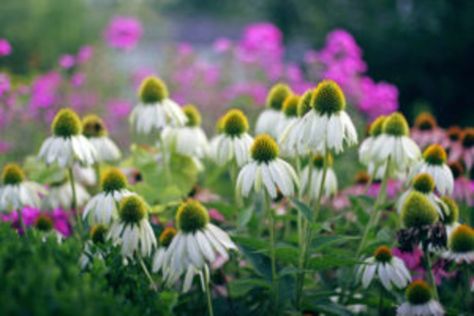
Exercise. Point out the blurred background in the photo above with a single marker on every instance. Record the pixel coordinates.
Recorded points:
(91, 55)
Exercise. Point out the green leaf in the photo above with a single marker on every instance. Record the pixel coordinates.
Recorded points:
(304, 209)
(362, 215)
(331, 261)
(321, 242)
(239, 288)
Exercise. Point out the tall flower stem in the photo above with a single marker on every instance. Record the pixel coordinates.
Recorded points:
(205, 272)
(429, 270)
(308, 234)
(22, 223)
(74, 199)
(373, 220)
(381, 297)
(271, 219)
(147, 273)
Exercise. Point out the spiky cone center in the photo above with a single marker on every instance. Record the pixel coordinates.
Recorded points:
(12, 174)
(362, 177)
(192, 216)
(113, 180)
(318, 161)
(290, 106)
(277, 95)
(396, 125)
(328, 98)
(66, 123)
(166, 236)
(98, 234)
(193, 115)
(435, 155)
(44, 223)
(383, 254)
(418, 292)
(454, 133)
(93, 126)
(451, 214)
(468, 138)
(132, 209)
(264, 148)
(461, 239)
(418, 211)
(305, 103)
(235, 123)
(425, 121)
(423, 183)
(376, 126)
(152, 90)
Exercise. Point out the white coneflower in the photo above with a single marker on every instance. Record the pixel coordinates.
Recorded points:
(195, 247)
(420, 301)
(102, 208)
(376, 170)
(93, 127)
(84, 175)
(213, 143)
(461, 245)
(434, 163)
(292, 138)
(266, 170)
(234, 142)
(45, 226)
(290, 113)
(424, 184)
(270, 118)
(450, 218)
(189, 140)
(132, 230)
(312, 175)
(67, 145)
(417, 211)
(390, 270)
(16, 192)
(60, 195)
(426, 130)
(155, 110)
(394, 146)
(98, 235)
(165, 239)
(327, 125)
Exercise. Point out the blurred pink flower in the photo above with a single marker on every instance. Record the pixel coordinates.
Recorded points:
(256, 90)
(4, 147)
(78, 79)
(44, 90)
(119, 108)
(216, 215)
(222, 45)
(67, 61)
(5, 47)
(4, 84)
(123, 32)
(85, 53)
(412, 259)
(184, 49)
(141, 73)
(377, 98)
(261, 40)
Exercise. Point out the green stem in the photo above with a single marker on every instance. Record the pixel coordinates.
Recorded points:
(208, 293)
(381, 300)
(271, 219)
(373, 220)
(429, 271)
(22, 223)
(74, 200)
(308, 232)
(147, 273)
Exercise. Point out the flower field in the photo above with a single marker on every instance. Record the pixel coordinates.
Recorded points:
(228, 179)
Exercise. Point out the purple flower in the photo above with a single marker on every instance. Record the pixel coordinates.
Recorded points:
(216, 215)
(67, 61)
(78, 79)
(377, 98)
(412, 259)
(119, 108)
(262, 43)
(5, 47)
(85, 53)
(44, 90)
(4, 84)
(222, 45)
(61, 222)
(123, 32)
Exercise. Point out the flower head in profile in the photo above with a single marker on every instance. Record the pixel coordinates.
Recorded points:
(102, 208)
(417, 211)
(265, 170)
(156, 110)
(16, 191)
(327, 125)
(164, 240)
(234, 142)
(434, 162)
(426, 131)
(290, 117)
(60, 194)
(390, 270)
(123, 32)
(269, 120)
(93, 127)
(463, 186)
(196, 245)
(312, 176)
(93, 248)
(67, 145)
(420, 301)
(132, 230)
(461, 245)
(376, 170)
(394, 148)
(5, 47)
